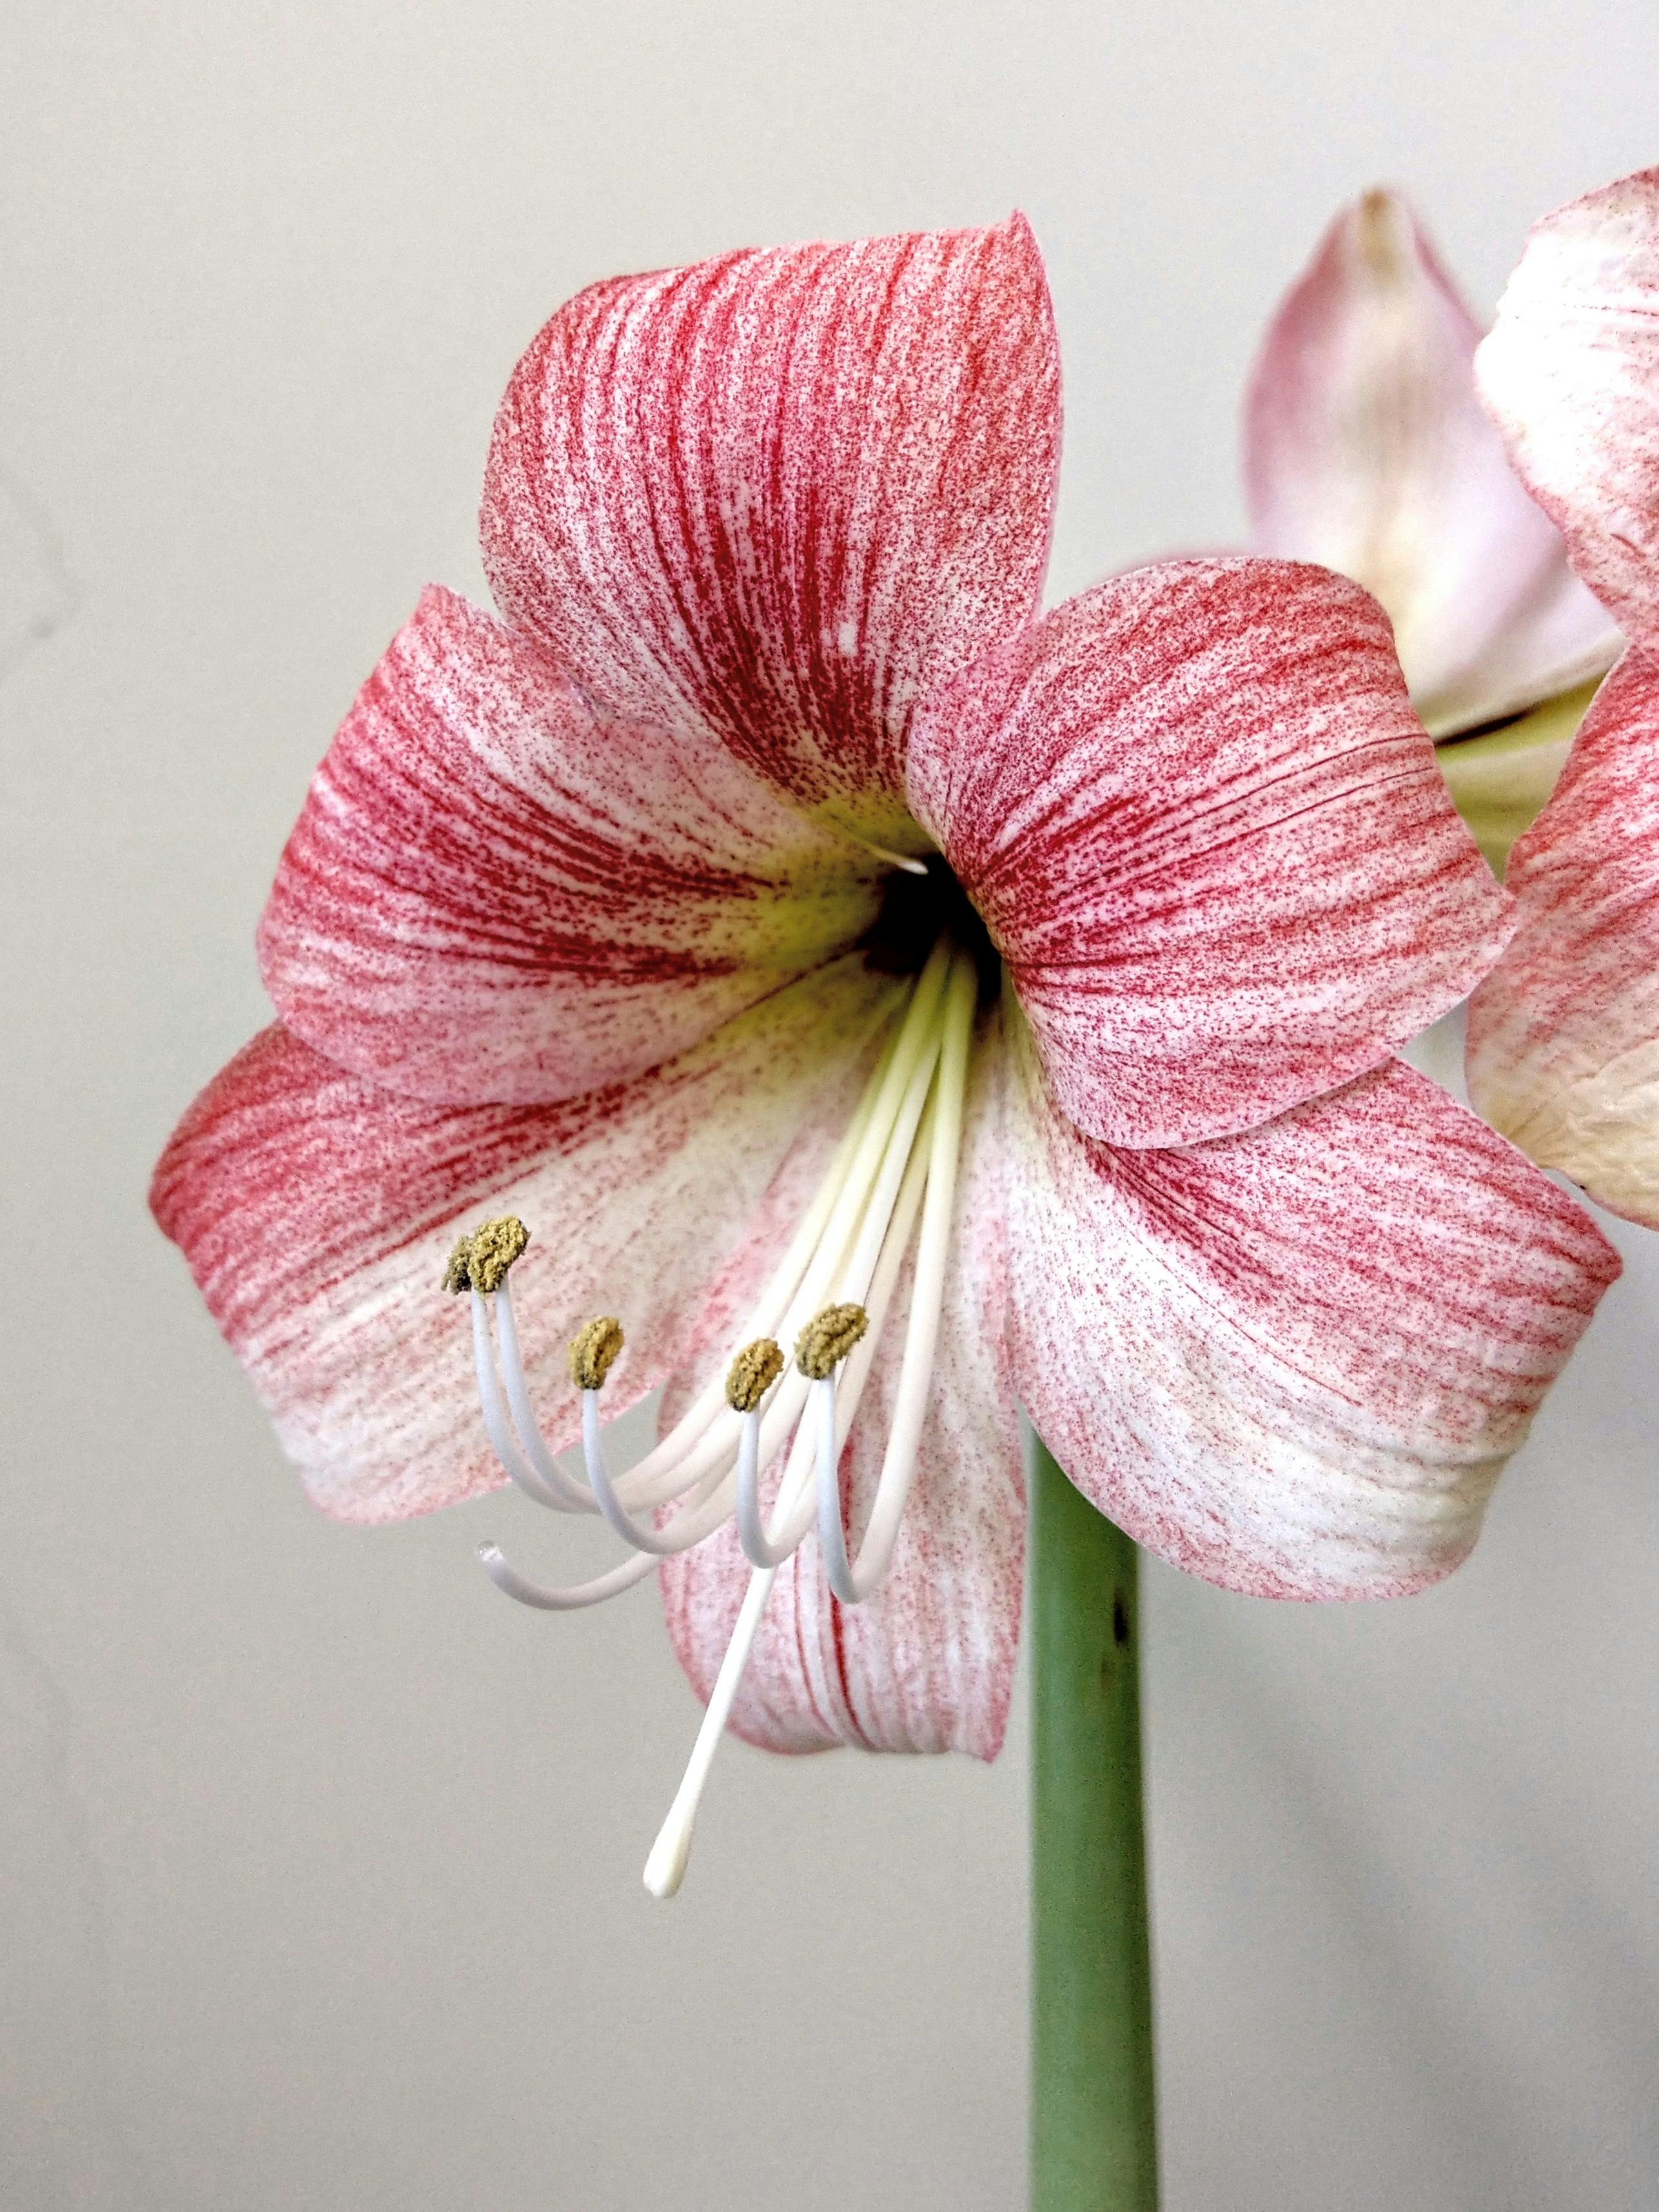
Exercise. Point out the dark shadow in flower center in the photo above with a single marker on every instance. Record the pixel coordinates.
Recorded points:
(916, 910)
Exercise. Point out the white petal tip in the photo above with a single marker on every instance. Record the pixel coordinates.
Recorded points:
(664, 1870)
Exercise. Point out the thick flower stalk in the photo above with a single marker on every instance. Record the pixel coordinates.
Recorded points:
(886, 1005)
(1366, 447)
(1563, 1037)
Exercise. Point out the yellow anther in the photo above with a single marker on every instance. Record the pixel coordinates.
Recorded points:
(593, 1350)
(493, 1251)
(458, 1269)
(828, 1338)
(752, 1373)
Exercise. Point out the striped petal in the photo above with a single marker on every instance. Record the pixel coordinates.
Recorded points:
(1571, 374)
(316, 1211)
(490, 898)
(1564, 1034)
(1366, 449)
(927, 1664)
(775, 495)
(1294, 1362)
(1210, 839)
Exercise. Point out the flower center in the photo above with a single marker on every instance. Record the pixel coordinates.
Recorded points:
(890, 1185)
(919, 908)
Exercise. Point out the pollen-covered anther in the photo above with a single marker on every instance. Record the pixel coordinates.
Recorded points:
(752, 1373)
(827, 1339)
(593, 1351)
(493, 1251)
(458, 1269)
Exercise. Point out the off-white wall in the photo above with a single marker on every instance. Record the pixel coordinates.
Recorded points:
(321, 1861)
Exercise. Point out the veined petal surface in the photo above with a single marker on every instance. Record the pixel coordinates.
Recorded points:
(1564, 1034)
(316, 1211)
(926, 1662)
(1366, 449)
(490, 898)
(1209, 837)
(1294, 1362)
(775, 496)
(1570, 374)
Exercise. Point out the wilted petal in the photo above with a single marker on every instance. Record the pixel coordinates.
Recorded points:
(927, 1664)
(1294, 1362)
(1366, 449)
(488, 897)
(1211, 840)
(1564, 1034)
(1570, 373)
(775, 495)
(316, 1211)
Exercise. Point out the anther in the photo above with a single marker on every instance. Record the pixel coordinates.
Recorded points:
(492, 1251)
(827, 1339)
(752, 1373)
(458, 1269)
(594, 1351)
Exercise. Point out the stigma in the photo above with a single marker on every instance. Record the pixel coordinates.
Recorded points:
(888, 1193)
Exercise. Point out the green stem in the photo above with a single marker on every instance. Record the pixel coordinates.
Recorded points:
(1093, 2140)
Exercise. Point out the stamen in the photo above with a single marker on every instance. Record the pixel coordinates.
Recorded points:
(660, 1545)
(594, 1351)
(566, 1496)
(851, 1585)
(496, 1428)
(828, 1338)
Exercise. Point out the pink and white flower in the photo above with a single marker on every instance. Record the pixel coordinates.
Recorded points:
(775, 909)
(1366, 448)
(1564, 1038)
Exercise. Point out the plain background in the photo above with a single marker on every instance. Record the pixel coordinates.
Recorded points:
(321, 1861)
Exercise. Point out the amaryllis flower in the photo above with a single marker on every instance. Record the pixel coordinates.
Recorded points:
(1564, 1038)
(1366, 448)
(885, 1005)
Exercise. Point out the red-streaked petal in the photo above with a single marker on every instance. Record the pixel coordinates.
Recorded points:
(1210, 839)
(926, 1662)
(316, 1211)
(777, 496)
(1294, 1362)
(1564, 1034)
(1570, 374)
(490, 898)
(1366, 449)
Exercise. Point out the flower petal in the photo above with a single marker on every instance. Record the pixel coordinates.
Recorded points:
(1366, 450)
(489, 898)
(926, 1662)
(1564, 1034)
(1209, 838)
(775, 495)
(316, 1212)
(1294, 1362)
(1571, 374)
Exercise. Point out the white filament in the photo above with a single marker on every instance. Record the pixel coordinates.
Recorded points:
(898, 1160)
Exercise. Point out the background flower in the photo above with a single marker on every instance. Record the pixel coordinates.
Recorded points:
(1366, 447)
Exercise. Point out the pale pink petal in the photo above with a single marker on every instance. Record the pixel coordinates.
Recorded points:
(488, 897)
(927, 1664)
(1294, 1362)
(1210, 839)
(1365, 449)
(777, 496)
(1564, 1034)
(317, 1210)
(1570, 373)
